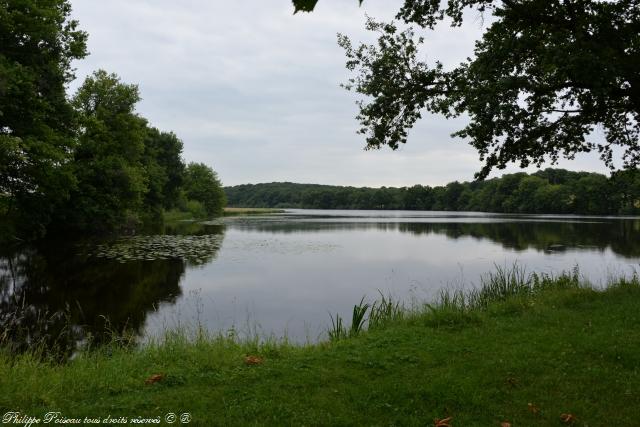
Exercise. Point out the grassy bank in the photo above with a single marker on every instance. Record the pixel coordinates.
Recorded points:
(250, 211)
(194, 213)
(523, 349)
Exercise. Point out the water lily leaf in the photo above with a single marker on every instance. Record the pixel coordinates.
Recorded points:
(195, 249)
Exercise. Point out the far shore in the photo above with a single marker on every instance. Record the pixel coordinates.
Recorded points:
(250, 211)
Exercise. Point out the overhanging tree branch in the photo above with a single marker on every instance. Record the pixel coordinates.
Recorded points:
(575, 58)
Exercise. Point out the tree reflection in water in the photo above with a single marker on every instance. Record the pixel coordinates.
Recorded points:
(54, 299)
(519, 233)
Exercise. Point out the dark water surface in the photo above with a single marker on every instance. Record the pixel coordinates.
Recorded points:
(283, 274)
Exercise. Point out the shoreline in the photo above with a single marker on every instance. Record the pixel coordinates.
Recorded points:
(481, 358)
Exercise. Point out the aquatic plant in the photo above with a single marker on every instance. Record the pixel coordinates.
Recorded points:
(195, 249)
(381, 312)
(384, 310)
(337, 330)
(358, 317)
(504, 283)
(454, 307)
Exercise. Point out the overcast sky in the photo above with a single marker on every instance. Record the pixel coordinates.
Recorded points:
(253, 90)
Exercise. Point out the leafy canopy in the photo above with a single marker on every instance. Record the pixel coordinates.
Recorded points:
(201, 184)
(543, 77)
(108, 160)
(38, 42)
(89, 163)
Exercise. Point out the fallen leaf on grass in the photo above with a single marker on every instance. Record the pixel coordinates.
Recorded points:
(533, 408)
(568, 418)
(443, 422)
(154, 379)
(253, 360)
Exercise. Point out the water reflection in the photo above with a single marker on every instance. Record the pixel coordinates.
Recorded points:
(60, 296)
(622, 236)
(284, 271)
(282, 274)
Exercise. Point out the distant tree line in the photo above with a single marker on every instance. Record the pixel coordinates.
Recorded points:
(88, 163)
(556, 191)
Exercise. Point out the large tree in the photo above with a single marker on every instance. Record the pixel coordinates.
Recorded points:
(108, 160)
(543, 77)
(38, 43)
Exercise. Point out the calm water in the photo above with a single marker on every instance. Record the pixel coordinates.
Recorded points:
(283, 274)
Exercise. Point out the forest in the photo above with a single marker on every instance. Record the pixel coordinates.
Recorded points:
(552, 191)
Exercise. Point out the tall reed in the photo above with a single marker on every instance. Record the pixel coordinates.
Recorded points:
(456, 306)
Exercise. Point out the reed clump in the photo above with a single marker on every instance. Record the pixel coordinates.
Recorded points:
(513, 286)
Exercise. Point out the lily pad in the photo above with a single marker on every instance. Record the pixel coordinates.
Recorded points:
(195, 249)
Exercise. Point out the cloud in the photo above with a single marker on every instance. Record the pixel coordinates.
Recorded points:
(254, 91)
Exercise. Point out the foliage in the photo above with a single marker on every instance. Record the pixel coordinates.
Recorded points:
(111, 180)
(165, 167)
(129, 172)
(304, 5)
(337, 331)
(201, 184)
(38, 42)
(385, 311)
(89, 164)
(543, 76)
(546, 191)
(307, 5)
(381, 313)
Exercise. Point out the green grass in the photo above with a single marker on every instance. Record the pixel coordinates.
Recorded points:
(192, 210)
(177, 215)
(480, 357)
(228, 211)
(195, 211)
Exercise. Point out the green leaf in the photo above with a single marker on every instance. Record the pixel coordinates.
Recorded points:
(304, 5)
(308, 5)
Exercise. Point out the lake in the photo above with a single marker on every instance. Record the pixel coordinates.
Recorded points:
(284, 274)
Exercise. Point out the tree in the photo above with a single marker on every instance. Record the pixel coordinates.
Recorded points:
(418, 198)
(523, 198)
(111, 179)
(553, 198)
(626, 186)
(451, 195)
(545, 74)
(38, 42)
(593, 194)
(164, 168)
(201, 184)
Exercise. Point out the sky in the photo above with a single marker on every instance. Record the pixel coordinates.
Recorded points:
(254, 91)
